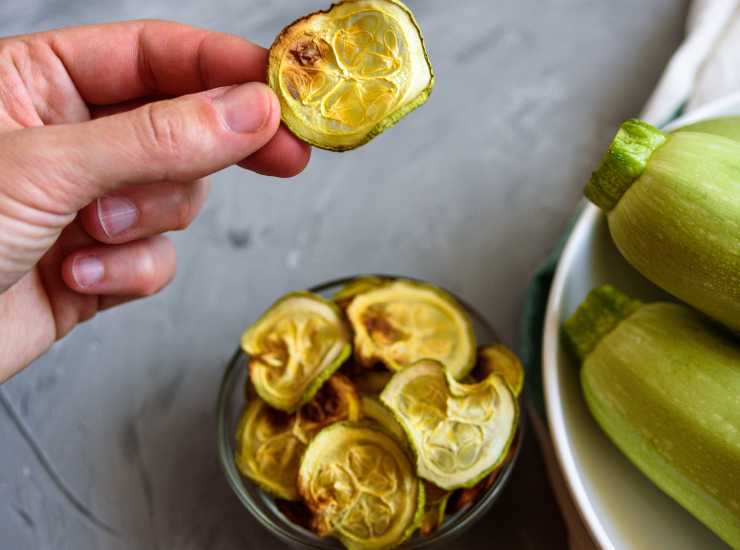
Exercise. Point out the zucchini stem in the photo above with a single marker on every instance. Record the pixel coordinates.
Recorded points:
(625, 161)
(602, 310)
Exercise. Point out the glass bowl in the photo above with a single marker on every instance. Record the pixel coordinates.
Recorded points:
(231, 401)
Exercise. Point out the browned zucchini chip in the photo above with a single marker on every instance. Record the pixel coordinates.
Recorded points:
(460, 433)
(501, 360)
(404, 321)
(361, 487)
(346, 74)
(294, 347)
(356, 286)
(270, 443)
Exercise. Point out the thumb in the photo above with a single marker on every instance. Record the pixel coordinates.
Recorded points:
(62, 168)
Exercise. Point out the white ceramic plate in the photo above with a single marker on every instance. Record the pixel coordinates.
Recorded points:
(621, 507)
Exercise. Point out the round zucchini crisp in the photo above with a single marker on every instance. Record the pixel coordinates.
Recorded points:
(294, 347)
(459, 432)
(346, 74)
(270, 443)
(361, 487)
(356, 286)
(501, 360)
(403, 322)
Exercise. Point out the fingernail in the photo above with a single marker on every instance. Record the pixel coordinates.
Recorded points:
(116, 215)
(87, 270)
(245, 109)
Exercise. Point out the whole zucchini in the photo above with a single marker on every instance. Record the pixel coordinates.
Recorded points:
(663, 382)
(727, 126)
(673, 205)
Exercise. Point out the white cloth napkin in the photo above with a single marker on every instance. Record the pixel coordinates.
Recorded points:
(706, 67)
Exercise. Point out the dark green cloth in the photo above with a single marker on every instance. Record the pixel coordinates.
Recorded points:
(533, 320)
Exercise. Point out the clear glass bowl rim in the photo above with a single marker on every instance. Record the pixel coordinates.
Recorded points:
(290, 533)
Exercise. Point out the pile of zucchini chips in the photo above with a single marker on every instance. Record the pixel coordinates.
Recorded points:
(374, 414)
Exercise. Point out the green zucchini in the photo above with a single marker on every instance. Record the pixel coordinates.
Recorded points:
(663, 382)
(673, 206)
(728, 126)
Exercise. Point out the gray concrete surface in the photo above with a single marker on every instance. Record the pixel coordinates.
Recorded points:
(108, 441)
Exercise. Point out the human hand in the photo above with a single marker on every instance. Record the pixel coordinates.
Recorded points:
(96, 162)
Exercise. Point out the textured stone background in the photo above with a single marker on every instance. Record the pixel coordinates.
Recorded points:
(115, 427)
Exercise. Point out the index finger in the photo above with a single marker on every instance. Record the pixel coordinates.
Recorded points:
(119, 62)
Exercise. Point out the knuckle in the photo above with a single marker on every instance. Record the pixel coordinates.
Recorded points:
(13, 49)
(163, 131)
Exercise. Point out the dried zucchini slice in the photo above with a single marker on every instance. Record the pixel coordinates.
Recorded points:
(294, 347)
(434, 508)
(344, 295)
(460, 432)
(361, 487)
(468, 497)
(501, 360)
(346, 74)
(374, 410)
(405, 321)
(267, 452)
(336, 400)
(270, 443)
